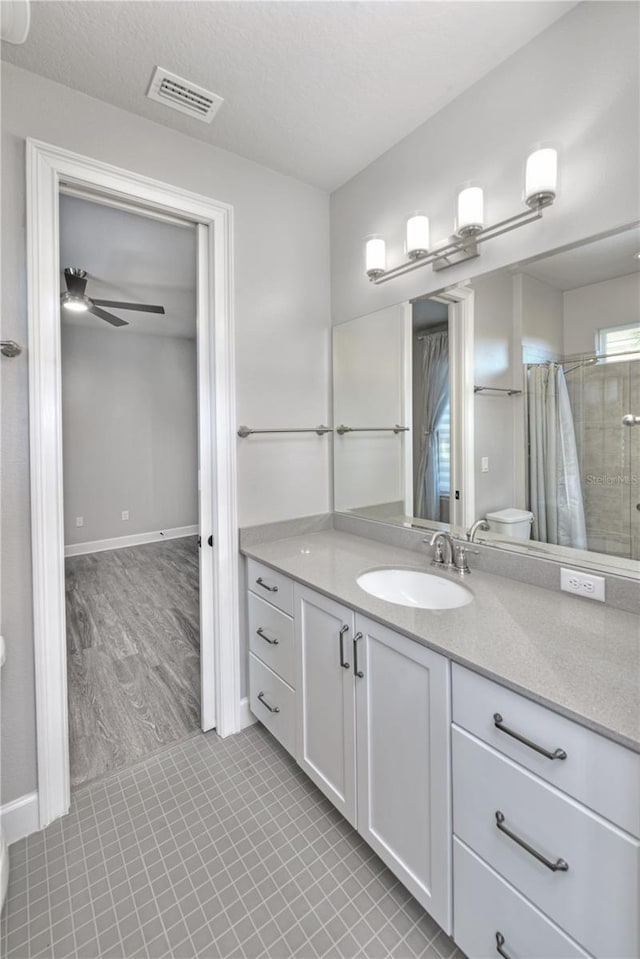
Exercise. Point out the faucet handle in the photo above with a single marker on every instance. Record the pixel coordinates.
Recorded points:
(460, 558)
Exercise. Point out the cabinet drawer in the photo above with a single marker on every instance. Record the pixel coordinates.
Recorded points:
(272, 702)
(271, 637)
(271, 585)
(596, 899)
(486, 907)
(600, 773)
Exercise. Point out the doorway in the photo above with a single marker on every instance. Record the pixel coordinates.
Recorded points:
(130, 474)
(49, 170)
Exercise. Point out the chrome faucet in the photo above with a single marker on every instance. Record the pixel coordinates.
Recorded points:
(443, 555)
(479, 524)
(449, 555)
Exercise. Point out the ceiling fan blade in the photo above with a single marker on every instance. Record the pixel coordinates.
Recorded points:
(109, 317)
(142, 307)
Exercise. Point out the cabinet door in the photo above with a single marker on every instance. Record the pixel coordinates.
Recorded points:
(404, 797)
(326, 702)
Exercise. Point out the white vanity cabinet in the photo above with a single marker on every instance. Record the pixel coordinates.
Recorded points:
(569, 866)
(373, 734)
(403, 761)
(432, 762)
(326, 713)
(271, 655)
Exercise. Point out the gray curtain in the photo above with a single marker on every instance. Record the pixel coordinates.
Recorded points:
(434, 396)
(554, 469)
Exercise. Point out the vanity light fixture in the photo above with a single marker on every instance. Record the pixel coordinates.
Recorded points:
(417, 236)
(540, 191)
(375, 257)
(470, 211)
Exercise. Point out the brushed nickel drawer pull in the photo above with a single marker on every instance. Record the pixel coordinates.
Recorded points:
(499, 946)
(343, 663)
(261, 633)
(558, 866)
(356, 672)
(272, 709)
(261, 582)
(498, 722)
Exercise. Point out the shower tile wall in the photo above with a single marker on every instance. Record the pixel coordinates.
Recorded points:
(609, 454)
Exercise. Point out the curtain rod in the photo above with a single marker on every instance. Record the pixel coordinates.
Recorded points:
(581, 358)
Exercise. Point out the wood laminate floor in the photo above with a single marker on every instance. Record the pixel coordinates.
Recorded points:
(133, 653)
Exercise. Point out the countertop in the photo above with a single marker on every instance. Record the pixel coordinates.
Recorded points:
(578, 656)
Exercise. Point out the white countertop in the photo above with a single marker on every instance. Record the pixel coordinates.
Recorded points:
(576, 655)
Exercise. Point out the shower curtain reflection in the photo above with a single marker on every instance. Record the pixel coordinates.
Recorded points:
(555, 488)
(434, 402)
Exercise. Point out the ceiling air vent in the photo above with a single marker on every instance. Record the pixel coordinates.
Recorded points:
(182, 95)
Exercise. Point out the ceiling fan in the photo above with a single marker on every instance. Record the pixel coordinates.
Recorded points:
(76, 299)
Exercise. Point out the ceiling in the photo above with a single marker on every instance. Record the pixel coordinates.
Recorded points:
(316, 90)
(134, 258)
(593, 262)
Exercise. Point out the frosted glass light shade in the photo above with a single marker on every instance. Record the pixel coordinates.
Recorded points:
(417, 236)
(76, 304)
(541, 177)
(470, 211)
(375, 256)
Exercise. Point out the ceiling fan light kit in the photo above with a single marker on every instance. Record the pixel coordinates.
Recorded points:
(76, 300)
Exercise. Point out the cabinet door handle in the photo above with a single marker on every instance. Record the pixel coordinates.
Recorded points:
(261, 582)
(261, 633)
(356, 672)
(498, 722)
(272, 709)
(558, 866)
(500, 946)
(343, 663)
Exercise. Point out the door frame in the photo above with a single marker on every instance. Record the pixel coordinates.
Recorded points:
(460, 300)
(48, 169)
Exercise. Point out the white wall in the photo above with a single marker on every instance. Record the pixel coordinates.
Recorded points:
(282, 339)
(610, 303)
(129, 430)
(368, 390)
(542, 320)
(575, 85)
(496, 414)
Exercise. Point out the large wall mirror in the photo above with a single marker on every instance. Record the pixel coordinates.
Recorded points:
(503, 400)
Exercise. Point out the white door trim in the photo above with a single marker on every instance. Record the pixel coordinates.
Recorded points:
(48, 168)
(461, 300)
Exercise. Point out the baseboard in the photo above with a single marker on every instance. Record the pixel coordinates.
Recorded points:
(19, 818)
(137, 539)
(246, 716)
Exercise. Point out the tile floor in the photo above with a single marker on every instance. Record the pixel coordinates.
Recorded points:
(212, 848)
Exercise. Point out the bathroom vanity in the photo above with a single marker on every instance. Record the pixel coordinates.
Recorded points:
(489, 754)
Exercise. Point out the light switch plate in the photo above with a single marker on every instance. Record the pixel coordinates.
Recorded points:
(79, 521)
(125, 514)
(582, 584)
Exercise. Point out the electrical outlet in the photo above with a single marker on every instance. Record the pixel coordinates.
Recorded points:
(125, 514)
(79, 520)
(582, 584)
(484, 464)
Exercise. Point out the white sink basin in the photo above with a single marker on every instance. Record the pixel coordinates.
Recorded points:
(412, 587)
